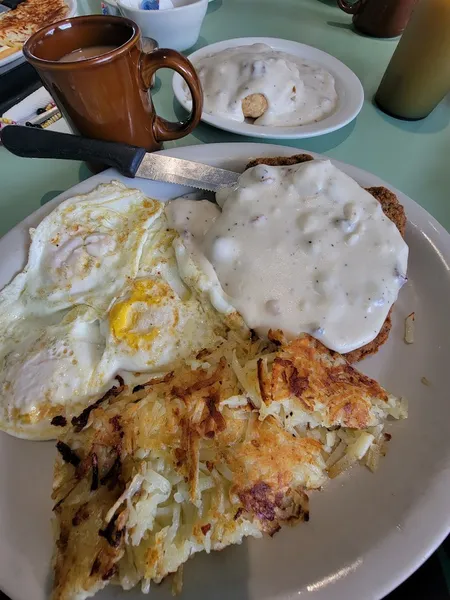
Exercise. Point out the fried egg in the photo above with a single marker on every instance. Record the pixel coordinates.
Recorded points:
(200, 277)
(87, 248)
(46, 370)
(151, 328)
(101, 296)
(157, 321)
(194, 270)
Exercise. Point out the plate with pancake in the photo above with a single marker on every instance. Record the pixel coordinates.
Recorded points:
(273, 88)
(17, 25)
(367, 531)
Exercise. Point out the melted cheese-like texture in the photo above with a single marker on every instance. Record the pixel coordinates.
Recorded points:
(303, 249)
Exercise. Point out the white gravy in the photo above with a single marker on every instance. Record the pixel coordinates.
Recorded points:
(302, 249)
(298, 92)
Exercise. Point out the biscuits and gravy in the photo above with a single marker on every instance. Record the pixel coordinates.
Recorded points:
(270, 86)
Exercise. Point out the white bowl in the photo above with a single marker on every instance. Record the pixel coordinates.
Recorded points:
(177, 28)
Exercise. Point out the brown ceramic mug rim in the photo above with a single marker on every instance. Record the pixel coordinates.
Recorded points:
(135, 35)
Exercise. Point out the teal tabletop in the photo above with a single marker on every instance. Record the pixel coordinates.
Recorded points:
(410, 156)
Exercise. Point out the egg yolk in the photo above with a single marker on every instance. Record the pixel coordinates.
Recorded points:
(124, 316)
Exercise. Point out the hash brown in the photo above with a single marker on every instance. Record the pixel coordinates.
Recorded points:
(322, 382)
(17, 25)
(391, 208)
(165, 471)
(186, 462)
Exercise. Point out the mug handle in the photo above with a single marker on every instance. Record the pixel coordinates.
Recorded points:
(170, 59)
(350, 9)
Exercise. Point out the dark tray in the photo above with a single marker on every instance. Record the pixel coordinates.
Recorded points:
(16, 84)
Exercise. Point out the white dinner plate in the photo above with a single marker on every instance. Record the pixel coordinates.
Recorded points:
(348, 87)
(72, 4)
(367, 532)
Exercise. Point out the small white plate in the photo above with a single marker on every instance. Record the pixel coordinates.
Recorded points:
(72, 4)
(348, 87)
(368, 532)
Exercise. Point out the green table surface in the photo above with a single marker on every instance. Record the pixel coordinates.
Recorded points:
(411, 156)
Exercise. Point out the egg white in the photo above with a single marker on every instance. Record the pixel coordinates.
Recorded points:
(101, 295)
(157, 321)
(151, 328)
(48, 373)
(84, 251)
(81, 257)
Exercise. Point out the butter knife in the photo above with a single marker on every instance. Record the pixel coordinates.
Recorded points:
(131, 161)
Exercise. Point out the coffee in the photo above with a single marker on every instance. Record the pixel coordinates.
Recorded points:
(85, 53)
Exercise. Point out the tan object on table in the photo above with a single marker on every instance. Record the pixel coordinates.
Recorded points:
(254, 106)
(418, 76)
(379, 18)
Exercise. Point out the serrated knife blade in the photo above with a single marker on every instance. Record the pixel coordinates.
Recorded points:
(185, 172)
(130, 161)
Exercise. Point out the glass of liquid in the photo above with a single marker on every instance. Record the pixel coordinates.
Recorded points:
(418, 76)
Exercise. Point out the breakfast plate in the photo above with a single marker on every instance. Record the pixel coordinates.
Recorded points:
(348, 87)
(17, 57)
(368, 532)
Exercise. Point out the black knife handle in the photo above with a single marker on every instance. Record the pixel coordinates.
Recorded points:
(32, 142)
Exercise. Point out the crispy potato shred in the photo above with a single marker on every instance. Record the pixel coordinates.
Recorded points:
(225, 447)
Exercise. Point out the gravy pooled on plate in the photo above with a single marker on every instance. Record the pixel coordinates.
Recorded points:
(296, 92)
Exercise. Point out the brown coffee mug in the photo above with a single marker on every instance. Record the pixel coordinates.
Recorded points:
(379, 18)
(107, 96)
